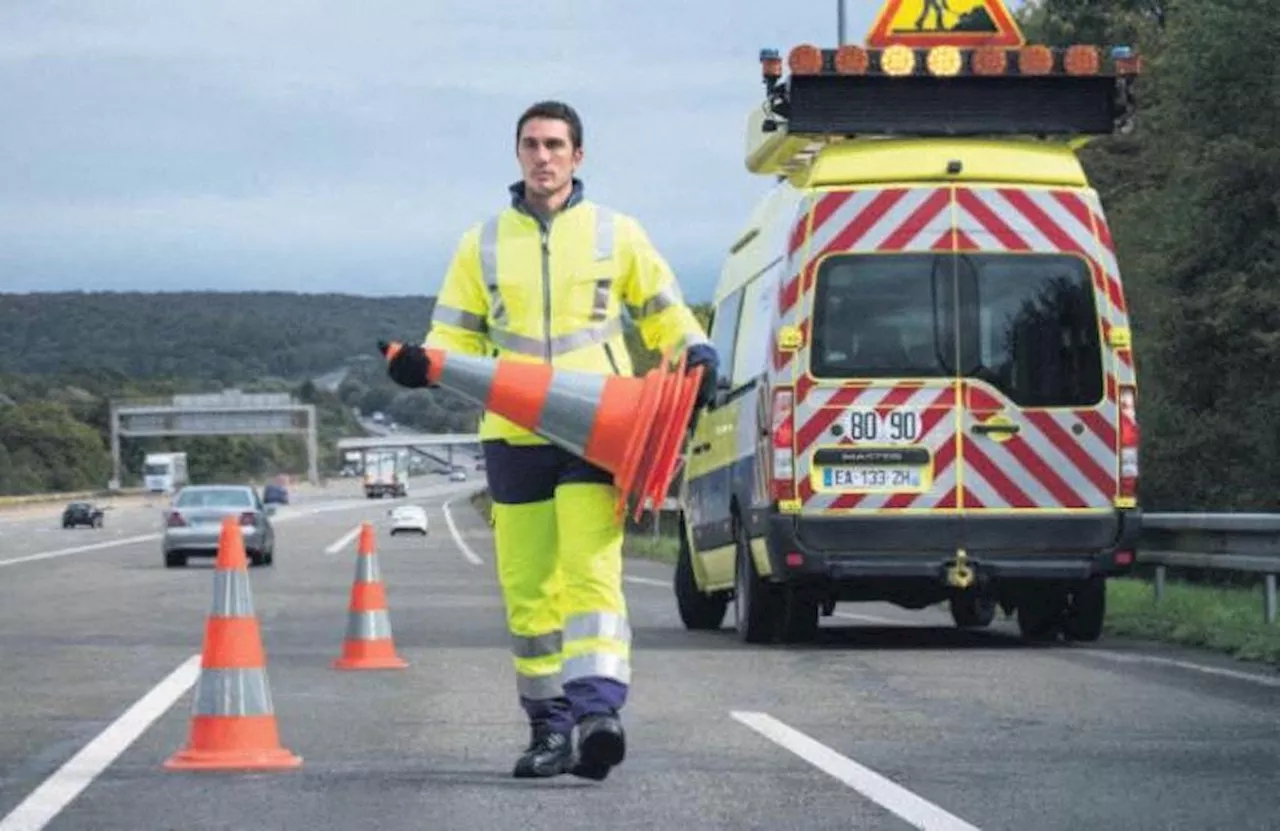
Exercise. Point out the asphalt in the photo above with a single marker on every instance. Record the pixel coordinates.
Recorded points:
(993, 732)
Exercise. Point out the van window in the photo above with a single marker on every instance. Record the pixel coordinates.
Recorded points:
(724, 331)
(1038, 338)
(878, 316)
(1027, 323)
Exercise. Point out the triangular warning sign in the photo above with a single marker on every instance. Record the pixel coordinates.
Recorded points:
(926, 23)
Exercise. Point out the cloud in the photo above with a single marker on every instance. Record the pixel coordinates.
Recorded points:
(343, 147)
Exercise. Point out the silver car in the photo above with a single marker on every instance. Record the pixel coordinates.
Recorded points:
(193, 523)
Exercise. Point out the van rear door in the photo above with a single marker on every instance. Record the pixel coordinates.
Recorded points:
(876, 409)
(1039, 423)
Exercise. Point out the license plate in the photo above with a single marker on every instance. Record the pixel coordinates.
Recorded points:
(873, 478)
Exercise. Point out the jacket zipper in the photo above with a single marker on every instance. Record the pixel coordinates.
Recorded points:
(546, 287)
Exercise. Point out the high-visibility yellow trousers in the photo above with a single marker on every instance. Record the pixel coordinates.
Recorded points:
(559, 563)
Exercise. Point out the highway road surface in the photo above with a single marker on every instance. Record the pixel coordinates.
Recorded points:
(893, 720)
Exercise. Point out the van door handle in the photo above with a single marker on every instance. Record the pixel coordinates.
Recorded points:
(987, 429)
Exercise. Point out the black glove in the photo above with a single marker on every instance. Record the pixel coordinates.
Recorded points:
(704, 355)
(407, 365)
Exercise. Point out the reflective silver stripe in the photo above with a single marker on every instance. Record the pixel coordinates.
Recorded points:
(469, 376)
(450, 316)
(535, 646)
(600, 303)
(231, 594)
(232, 692)
(539, 687)
(597, 625)
(559, 345)
(489, 269)
(368, 626)
(666, 297)
(604, 254)
(569, 409)
(512, 342)
(604, 233)
(367, 569)
(597, 665)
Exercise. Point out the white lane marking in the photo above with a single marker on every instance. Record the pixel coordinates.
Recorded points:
(343, 541)
(919, 812)
(79, 549)
(57, 792)
(457, 537)
(647, 581)
(870, 619)
(1129, 658)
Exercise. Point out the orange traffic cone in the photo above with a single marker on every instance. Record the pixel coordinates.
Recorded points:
(631, 427)
(368, 644)
(233, 725)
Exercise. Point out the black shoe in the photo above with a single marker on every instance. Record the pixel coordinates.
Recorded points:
(602, 744)
(548, 754)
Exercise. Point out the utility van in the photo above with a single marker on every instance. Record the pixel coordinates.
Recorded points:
(927, 390)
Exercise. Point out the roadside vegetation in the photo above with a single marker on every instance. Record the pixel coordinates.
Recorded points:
(1222, 618)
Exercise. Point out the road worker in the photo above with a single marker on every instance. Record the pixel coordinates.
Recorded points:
(546, 280)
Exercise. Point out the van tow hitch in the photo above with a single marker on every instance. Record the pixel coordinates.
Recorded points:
(960, 573)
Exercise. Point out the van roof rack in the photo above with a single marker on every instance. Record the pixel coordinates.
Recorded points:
(1024, 91)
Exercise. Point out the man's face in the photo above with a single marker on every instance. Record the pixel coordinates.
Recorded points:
(548, 158)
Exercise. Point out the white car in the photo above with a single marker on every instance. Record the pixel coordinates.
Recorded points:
(408, 519)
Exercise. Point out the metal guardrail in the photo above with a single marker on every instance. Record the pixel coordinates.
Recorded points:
(1248, 543)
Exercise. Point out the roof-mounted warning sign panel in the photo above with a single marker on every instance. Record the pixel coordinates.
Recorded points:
(928, 23)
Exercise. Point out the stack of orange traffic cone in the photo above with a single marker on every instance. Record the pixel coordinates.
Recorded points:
(233, 725)
(368, 643)
(631, 427)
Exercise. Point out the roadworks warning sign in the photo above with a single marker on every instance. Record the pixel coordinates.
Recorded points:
(926, 23)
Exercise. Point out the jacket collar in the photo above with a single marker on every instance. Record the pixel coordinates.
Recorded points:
(518, 201)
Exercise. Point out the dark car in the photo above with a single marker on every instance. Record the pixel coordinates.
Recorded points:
(274, 494)
(82, 513)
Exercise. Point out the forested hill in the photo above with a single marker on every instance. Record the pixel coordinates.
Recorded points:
(230, 337)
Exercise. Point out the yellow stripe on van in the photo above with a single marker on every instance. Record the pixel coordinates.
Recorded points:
(902, 161)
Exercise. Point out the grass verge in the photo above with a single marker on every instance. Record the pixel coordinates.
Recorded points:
(1223, 619)
(640, 544)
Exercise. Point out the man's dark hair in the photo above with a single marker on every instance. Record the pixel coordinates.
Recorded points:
(557, 110)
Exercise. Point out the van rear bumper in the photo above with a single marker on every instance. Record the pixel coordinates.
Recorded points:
(1020, 548)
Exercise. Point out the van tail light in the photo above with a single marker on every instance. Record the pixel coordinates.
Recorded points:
(175, 520)
(248, 518)
(782, 484)
(1129, 438)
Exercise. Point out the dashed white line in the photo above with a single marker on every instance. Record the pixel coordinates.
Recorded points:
(343, 541)
(471, 556)
(1129, 658)
(870, 619)
(647, 581)
(917, 811)
(79, 549)
(57, 792)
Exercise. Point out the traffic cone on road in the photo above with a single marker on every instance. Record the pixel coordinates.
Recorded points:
(368, 643)
(631, 427)
(233, 724)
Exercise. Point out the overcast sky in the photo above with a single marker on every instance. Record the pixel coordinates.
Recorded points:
(343, 147)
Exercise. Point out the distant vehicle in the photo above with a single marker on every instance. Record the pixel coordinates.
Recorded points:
(378, 418)
(193, 523)
(275, 494)
(386, 473)
(164, 472)
(458, 476)
(82, 513)
(408, 519)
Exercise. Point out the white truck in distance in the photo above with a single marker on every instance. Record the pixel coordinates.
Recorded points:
(386, 474)
(164, 472)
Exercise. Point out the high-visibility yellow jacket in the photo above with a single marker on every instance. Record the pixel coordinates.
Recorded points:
(519, 290)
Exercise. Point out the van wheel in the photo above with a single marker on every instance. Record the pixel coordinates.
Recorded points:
(1040, 615)
(1086, 610)
(698, 611)
(755, 601)
(798, 621)
(971, 611)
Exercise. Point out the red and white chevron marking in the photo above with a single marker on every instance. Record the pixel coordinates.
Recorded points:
(828, 405)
